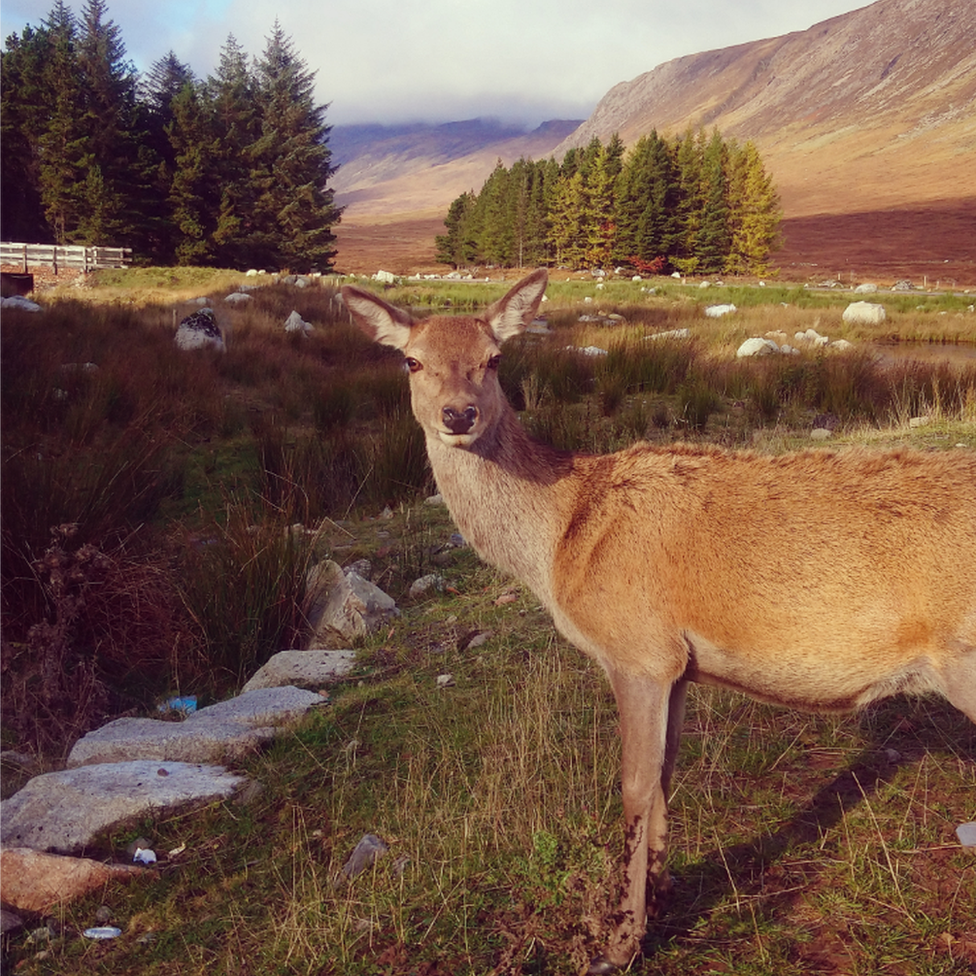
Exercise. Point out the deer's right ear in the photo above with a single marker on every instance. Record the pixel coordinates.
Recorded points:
(383, 323)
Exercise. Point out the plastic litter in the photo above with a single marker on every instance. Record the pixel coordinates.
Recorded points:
(369, 848)
(102, 932)
(182, 703)
(144, 856)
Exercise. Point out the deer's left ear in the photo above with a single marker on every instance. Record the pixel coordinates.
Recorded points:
(510, 315)
(383, 323)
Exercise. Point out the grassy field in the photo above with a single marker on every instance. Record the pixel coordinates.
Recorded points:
(800, 844)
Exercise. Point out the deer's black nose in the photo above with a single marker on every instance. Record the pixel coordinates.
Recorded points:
(460, 421)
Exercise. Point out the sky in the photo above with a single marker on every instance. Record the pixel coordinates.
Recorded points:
(395, 61)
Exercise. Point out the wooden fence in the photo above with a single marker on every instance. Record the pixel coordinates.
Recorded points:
(64, 256)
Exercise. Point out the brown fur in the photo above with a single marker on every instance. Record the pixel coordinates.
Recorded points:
(821, 580)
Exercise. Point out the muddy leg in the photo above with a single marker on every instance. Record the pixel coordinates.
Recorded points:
(647, 739)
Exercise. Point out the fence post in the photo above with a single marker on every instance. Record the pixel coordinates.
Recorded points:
(25, 259)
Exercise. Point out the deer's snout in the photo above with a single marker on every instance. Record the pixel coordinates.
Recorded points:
(459, 421)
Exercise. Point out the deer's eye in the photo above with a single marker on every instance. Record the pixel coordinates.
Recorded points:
(412, 364)
(494, 361)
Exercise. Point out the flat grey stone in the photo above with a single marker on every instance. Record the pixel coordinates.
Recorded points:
(302, 669)
(126, 739)
(260, 707)
(64, 811)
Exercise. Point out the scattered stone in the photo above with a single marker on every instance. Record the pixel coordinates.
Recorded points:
(866, 289)
(820, 434)
(238, 298)
(717, 311)
(295, 323)
(432, 582)
(671, 334)
(434, 500)
(36, 882)
(260, 707)
(587, 350)
(919, 421)
(303, 669)
(366, 852)
(343, 606)
(811, 337)
(445, 681)
(756, 346)
(387, 277)
(841, 345)
(19, 302)
(864, 313)
(967, 834)
(200, 331)
(362, 567)
(64, 811)
(903, 285)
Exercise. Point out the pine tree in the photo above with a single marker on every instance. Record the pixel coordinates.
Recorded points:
(688, 201)
(567, 233)
(294, 212)
(714, 240)
(756, 213)
(458, 246)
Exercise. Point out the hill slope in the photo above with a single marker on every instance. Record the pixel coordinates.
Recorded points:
(867, 122)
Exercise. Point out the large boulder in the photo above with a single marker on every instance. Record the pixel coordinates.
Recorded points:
(65, 811)
(200, 331)
(36, 882)
(343, 607)
(864, 313)
(304, 669)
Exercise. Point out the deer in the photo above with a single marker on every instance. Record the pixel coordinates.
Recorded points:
(820, 580)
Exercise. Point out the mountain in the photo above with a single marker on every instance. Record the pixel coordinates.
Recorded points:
(877, 105)
(421, 166)
(867, 122)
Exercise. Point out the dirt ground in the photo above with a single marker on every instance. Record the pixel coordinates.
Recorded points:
(932, 243)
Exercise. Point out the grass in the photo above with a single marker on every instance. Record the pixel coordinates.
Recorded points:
(800, 844)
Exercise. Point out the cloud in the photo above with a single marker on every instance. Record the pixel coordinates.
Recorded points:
(442, 60)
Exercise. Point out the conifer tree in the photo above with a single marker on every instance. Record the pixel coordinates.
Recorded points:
(713, 236)
(458, 247)
(755, 210)
(294, 212)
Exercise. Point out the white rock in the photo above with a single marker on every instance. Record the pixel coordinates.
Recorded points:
(18, 301)
(717, 311)
(671, 334)
(388, 277)
(841, 345)
(295, 323)
(866, 289)
(820, 434)
(864, 313)
(756, 346)
(238, 298)
(967, 834)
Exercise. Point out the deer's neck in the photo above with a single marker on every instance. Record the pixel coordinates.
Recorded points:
(505, 494)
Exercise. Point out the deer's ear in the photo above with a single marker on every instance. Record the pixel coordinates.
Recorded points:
(511, 314)
(383, 323)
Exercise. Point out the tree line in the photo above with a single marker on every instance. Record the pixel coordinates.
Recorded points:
(227, 171)
(695, 203)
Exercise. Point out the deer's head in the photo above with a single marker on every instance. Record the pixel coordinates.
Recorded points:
(453, 359)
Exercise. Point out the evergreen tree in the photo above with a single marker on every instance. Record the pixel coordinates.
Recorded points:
(291, 225)
(496, 232)
(714, 240)
(25, 109)
(567, 230)
(756, 213)
(458, 247)
(688, 202)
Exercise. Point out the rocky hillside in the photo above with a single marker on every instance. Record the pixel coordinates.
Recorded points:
(869, 116)
(879, 103)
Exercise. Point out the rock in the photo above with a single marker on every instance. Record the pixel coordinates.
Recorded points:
(343, 606)
(866, 289)
(295, 323)
(200, 331)
(65, 811)
(756, 346)
(445, 681)
(820, 434)
(303, 669)
(903, 285)
(18, 301)
(36, 882)
(811, 337)
(864, 313)
(228, 730)
(9, 922)
(841, 345)
(919, 421)
(967, 834)
(238, 298)
(426, 584)
(149, 738)
(369, 848)
(587, 350)
(671, 334)
(387, 277)
(717, 311)
(434, 500)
